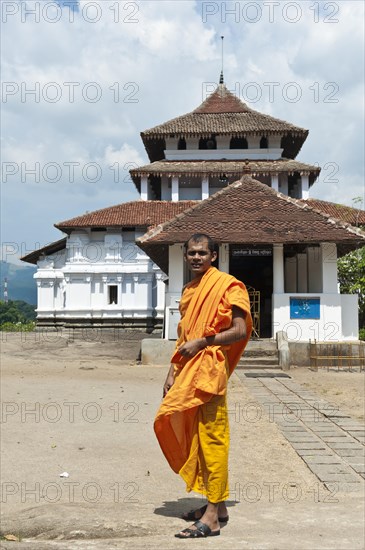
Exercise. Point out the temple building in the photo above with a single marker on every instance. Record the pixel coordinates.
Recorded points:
(229, 171)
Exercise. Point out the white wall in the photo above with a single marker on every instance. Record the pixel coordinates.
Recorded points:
(327, 328)
(75, 283)
(350, 319)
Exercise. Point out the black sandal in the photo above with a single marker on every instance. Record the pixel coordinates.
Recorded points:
(190, 516)
(202, 531)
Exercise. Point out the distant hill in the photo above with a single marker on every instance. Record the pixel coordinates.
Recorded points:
(21, 285)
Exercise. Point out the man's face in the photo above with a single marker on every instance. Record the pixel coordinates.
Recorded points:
(199, 257)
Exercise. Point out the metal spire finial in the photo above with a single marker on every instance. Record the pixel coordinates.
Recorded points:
(221, 79)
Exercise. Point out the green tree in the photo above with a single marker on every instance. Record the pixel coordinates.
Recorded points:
(25, 309)
(351, 276)
(16, 312)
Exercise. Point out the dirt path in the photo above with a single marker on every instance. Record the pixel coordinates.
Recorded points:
(85, 408)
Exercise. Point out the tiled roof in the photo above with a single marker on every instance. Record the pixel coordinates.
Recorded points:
(222, 101)
(225, 167)
(250, 212)
(354, 216)
(129, 214)
(224, 113)
(51, 248)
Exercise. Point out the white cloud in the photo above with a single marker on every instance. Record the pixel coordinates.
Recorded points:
(149, 61)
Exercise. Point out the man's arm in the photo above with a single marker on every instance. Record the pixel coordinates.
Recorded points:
(237, 331)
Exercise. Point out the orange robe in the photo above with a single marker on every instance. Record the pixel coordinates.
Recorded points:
(191, 424)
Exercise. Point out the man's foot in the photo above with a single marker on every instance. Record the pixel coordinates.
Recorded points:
(198, 530)
(208, 526)
(193, 515)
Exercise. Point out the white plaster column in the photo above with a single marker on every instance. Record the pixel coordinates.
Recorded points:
(120, 290)
(165, 195)
(275, 181)
(147, 280)
(314, 269)
(134, 298)
(222, 141)
(160, 293)
(278, 269)
(304, 187)
(97, 297)
(113, 243)
(192, 143)
(45, 294)
(175, 188)
(224, 257)
(205, 187)
(274, 142)
(302, 279)
(290, 275)
(284, 184)
(176, 282)
(77, 246)
(253, 142)
(171, 143)
(176, 268)
(88, 283)
(329, 268)
(144, 188)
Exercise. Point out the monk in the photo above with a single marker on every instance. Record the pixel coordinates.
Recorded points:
(191, 424)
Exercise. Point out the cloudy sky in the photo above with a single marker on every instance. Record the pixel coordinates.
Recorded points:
(82, 78)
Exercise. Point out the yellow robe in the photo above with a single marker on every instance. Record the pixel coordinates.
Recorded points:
(191, 424)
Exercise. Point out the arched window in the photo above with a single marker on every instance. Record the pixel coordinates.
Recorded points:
(181, 144)
(238, 143)
(207, 143)
(264, 144)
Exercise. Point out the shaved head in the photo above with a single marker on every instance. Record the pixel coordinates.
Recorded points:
(200, 237)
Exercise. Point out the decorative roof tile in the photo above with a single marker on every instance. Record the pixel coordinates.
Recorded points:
(250, 212)
(227, 167)
(224, 113)
(51, 248)
(353, 216)
(129, 214)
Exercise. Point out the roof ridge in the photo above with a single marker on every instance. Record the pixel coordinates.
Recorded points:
(121, 204)
(223, 93)
(93, 212)
(338, 204)
(296, 202)
(300, 203)
(156, 230)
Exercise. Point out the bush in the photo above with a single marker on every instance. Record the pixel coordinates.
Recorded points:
(17, 327)
(362, 334)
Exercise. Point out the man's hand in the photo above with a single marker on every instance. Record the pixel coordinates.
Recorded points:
(191, 348)
(170, 379)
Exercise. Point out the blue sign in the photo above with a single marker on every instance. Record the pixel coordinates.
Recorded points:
(304, 308)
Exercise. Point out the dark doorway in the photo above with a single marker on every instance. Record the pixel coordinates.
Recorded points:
(253, 266)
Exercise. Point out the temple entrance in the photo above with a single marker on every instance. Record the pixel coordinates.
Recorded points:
(253, 266)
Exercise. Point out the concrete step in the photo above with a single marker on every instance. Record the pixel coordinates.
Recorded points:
(257, 366)
(272, 360)
(259, 361)
(261, 352)
(261, 344)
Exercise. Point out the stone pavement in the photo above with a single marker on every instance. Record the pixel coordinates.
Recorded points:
(329, 441)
